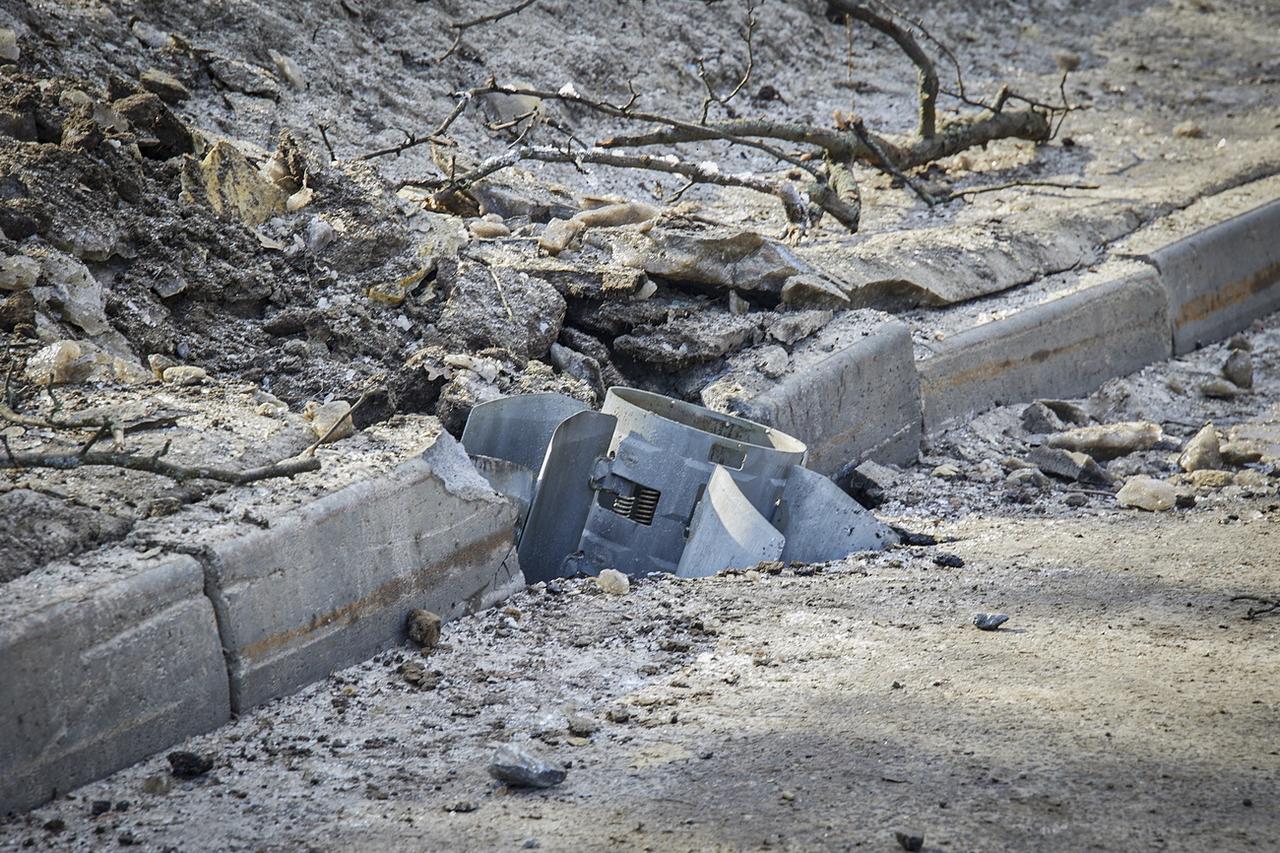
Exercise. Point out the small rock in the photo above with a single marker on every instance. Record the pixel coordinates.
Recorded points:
(416, 673)
(462, 806)
(531, 843)
(486, 229)
(1039, 419)
(18, 272)
(912, 539)
(100, 807)
(56, 824)
(233, 187)
(1031, 477)
(1068, 411)
(946, 471)
(184, 374)
(18, 309)
(1219, 389)
(331, 421)
(157, 784)
(988, 622)
(1075, 499)
(1239, 453)
(189, 765)
(1108, 441)
(319, 234)
(299, 200)
(9, 50)
(948, 561)
(424, 628)
(613, 582)
(1239, 368)
(773, 361)
(1201, 451)
(1184, 501)
(164, 86)
(517, 766)
(153, 37)
(583, 725)
(160, 134)
(1209, 479)
(1068, 465)
(617, 715)
(288, 69)
(1251, 478)
(159, 363)
(1188, 130)
(1239, 341)
(737, 305)
(1147, 493)
(909, 842)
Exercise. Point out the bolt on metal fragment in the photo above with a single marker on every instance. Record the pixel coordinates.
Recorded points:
(651, 483)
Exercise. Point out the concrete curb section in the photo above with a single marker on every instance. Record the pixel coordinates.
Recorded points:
(1223, 277)
(115, 658)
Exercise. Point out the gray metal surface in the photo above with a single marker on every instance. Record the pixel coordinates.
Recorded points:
(727, 532)
(563, 494)
(508, 478)
(518, 428)
(822, 523)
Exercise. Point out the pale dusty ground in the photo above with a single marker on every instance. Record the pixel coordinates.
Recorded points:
(1127, 704)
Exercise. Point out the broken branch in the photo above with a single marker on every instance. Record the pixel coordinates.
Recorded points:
(460, 27)
(157, 465)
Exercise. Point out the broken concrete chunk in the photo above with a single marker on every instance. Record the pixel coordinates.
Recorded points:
(791, 327)
(813, 291)
(1068, 411)
(1068, 465)
(721, 258)
(184, 375)
(1202, 451)
(517, 766)
(1109, 441)
(1147, 493)
(1239, 368)
(233, 187)
(501, 308)
(687, 341)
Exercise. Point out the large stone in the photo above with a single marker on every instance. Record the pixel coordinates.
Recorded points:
(1109, 441)
(743, 260)
(233, 187)
(1147, 493)
(1201, 451)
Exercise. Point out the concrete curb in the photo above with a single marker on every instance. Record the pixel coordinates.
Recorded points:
(119, 656)
(851, 392)
(1221, 278)
(1063, 348)
(114, 660)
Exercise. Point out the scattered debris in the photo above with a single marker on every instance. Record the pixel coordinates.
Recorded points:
(516, 766)
(989, 621)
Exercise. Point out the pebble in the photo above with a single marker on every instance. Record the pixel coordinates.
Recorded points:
(909, 842)
(583, 725)
(1202, 451)
(613, 582)
(988, 622)
(1188, 130)
(517, 766)
(948, 561)
(325, 417)
(1209, 479)
(484, 229)
(319, 234)
(1075, 499)
(1219, 389)
(424, 628)
(164, 85)
(299, 200)
(1039, 419)
(9, 51)
(157, 785)
(946, 471)
(189, 765)
(288, 69)
(462, 806)
(1239, 453)
(185, 374)
(18, 272)
(1147, 493)
(1032, 477)
(1239, 368)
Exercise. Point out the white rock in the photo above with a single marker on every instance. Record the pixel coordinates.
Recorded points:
(18, 272)
(299, 200)
(1202, 451)
(324, 417)
(185, 374)
(1147, 493)
(288, 69)
(9, 51)
(1107, 441)
(484, 229)
(613, 582)
(319, 234)
(77, 290)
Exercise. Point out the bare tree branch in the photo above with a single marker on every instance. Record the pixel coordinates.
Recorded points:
(156, 464)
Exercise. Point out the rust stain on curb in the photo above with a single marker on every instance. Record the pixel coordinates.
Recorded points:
(381, 597)
(1208, 304)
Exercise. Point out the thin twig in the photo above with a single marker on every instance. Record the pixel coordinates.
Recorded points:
(1269, 605)
(1013, 184)
(324, 137)
(883, 163)
(712, 97)
(156, 465)
(460, 27)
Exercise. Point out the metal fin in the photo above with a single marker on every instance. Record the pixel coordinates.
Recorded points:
(508, 478)
(727, 532)
(563, 495)
(822, 523)
(517, 429)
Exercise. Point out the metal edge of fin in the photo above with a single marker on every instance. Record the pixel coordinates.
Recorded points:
(822, 523)
(563, 495)
(518, 429)
(727, 532)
